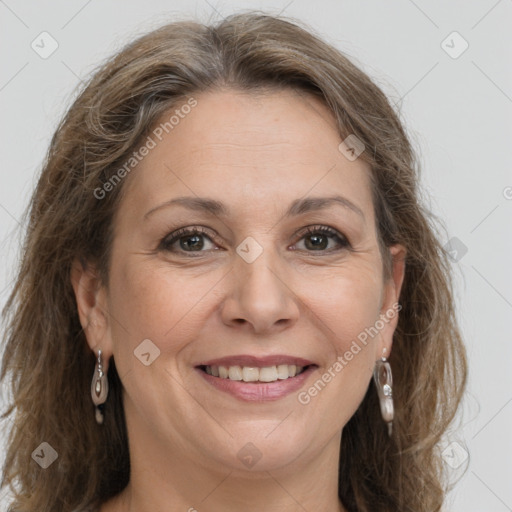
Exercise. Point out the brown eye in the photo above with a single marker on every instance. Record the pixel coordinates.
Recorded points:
(187, 240)
(318, 238)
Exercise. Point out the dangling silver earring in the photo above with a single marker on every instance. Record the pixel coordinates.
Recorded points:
(384, 384)
(99, 389)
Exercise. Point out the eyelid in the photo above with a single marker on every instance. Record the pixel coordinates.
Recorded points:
(322, 228)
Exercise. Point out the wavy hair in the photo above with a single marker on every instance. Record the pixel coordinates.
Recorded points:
(47, 363)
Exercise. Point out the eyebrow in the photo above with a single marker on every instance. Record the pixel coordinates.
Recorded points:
(297, 207)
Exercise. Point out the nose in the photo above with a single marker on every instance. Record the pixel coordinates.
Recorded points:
(260, 299)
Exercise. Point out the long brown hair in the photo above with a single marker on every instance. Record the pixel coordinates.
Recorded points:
(47, 361)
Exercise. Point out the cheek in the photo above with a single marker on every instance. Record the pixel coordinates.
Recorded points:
(347, 303)
(349, 309)
(153, 303)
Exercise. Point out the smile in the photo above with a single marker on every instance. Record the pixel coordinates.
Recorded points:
(257, 379)
(255, 374)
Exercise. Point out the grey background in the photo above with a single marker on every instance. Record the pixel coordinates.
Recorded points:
(457, 111)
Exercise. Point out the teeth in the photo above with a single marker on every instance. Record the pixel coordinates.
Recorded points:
(268, 374)
(250, 374)
(253, 374)
(282, 371)
(235, 373)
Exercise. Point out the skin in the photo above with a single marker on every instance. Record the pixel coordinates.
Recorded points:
(256, 153)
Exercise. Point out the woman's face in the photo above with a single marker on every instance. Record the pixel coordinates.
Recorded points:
(245, 240)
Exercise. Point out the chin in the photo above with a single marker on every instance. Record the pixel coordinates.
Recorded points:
(270, 448)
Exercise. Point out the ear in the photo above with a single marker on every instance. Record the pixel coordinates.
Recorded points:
(391, 292)
(91, 300)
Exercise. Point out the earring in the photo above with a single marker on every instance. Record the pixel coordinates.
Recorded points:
(384, 384)
(99, 389)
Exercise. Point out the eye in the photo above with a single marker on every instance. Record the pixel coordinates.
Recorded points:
(318, 238)
(188, 240)
(197, 239)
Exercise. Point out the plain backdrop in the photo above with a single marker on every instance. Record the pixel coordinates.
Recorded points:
(454, 91)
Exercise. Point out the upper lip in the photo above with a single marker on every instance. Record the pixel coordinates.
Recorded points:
(256, 361)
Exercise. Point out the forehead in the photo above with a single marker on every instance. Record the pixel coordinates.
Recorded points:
(247, 147)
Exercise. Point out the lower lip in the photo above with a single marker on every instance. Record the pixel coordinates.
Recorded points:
(258, 391)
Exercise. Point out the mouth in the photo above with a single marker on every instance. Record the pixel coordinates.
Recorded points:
(257, 378)
(254, 373)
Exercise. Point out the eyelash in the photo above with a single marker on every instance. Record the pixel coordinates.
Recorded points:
(174, 237)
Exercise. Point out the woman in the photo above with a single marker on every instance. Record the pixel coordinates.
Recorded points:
(225, 244)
